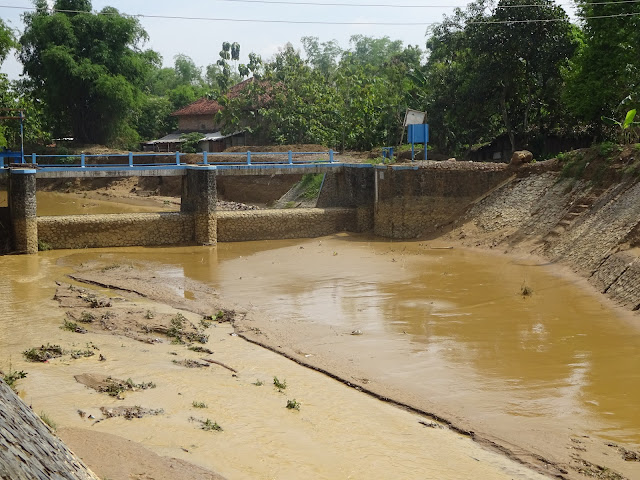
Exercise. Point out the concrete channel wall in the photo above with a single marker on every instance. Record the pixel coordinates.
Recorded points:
(28, 450)
(156, 229)
(411, 203)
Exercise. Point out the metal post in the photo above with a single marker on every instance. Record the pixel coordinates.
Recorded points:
(82, 160)
(22, 136)
(204, 157)
(248, 157)
(412, 151)
(130, 159)
(330, 156)
(177, 158)
(290, 157)
(33, 158)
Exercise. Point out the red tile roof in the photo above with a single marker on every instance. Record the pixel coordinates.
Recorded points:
(205, 106)
(202, 106)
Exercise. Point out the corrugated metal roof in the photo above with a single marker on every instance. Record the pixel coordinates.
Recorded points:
(176, 137)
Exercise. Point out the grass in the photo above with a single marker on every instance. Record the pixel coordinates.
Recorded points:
(289, 204)
(48, 421)
(280, 385)
(574, 164)
(258, 383)
(311, 183)
(199, 404)
(44, 246)
(293, 404)
(606, 149)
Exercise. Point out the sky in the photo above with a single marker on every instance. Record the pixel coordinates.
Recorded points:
(201, 39)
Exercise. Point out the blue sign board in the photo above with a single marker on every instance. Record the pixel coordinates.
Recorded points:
(419, 133)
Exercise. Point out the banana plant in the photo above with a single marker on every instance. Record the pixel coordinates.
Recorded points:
(627, 126)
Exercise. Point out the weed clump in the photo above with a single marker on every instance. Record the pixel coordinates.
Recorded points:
(280, 385)
(293, 404)
(199, 405)
(209, 426)
(43, 353)
(114, 387)
(48, 421)
(12, 377)
(180, 335)
(73, 327)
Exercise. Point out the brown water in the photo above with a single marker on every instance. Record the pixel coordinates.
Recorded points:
(338, 433)
(54, 203)
(558, 358)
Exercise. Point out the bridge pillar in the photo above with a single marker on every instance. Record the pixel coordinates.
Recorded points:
(22, 210)
(199, 198)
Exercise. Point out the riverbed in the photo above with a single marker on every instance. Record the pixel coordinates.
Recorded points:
(524, 355)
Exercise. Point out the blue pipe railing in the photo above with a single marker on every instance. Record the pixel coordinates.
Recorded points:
(132, 159)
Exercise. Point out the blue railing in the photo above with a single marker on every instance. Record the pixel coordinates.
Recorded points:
(172, 160)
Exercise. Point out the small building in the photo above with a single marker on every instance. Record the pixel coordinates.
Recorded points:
(200, 117)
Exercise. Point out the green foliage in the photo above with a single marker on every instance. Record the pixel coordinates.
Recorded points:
(606, 149)
(280, 385)
(196, 404)
(258, 383)
(43, 246)
(48, 421)
(607, 66)
(87, 70)
(509, 71)
(11, 378)
(43, 353)
(627, 128)
(293, 404)
(574, 166)
(311, 183)
(210, 426)
(190, 142)
(7, 40)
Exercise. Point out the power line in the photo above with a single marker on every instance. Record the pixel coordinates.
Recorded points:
(320, 22)
(548, 20)
(391, 5)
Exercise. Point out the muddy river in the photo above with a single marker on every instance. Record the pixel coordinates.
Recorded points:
(553, 369)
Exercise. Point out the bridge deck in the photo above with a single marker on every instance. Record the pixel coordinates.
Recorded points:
(179, 170)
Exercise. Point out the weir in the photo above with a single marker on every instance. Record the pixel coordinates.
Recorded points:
(392, 201)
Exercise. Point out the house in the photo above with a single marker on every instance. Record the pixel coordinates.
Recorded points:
(199, 117)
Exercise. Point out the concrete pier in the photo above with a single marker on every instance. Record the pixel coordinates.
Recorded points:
(22, 210)
(199, 198)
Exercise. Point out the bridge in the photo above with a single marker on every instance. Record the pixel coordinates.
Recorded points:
(174, 164)
(345, 185)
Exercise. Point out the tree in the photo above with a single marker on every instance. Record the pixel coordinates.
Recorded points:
(186, 70)
(324, 56)
(88, 70)
(7, 41)
(498, 72)
(607, 68)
